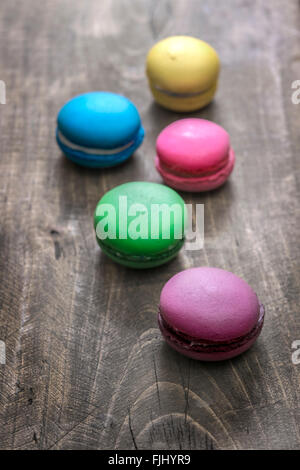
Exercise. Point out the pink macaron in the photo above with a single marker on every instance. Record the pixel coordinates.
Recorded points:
(194, 155)
(209, 314)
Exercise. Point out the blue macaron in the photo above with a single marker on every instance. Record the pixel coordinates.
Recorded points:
(99, 129)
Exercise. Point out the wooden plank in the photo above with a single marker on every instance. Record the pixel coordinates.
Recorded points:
(86, 366)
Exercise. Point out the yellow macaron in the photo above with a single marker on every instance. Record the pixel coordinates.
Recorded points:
(183, 73)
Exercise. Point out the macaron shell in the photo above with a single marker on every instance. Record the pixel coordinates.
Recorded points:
(183, 64)
(150, 248)
(193, 145)
(99, 120)
(200, 183)
(209, 304)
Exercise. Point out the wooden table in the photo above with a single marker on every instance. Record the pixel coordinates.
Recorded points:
(86, 367)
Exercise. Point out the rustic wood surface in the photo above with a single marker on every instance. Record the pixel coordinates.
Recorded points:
(86, 367)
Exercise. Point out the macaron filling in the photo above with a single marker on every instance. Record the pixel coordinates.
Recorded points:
(205, 179)
(172, 251)
(180, 95)
(100, 154)
(176, 171)
(90, 150)
(207, 346)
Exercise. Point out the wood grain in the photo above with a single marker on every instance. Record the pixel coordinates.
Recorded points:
(86, 365)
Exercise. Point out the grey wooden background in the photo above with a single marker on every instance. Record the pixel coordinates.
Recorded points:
(86, 366)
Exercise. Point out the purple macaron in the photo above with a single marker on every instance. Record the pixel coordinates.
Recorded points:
(209, 314)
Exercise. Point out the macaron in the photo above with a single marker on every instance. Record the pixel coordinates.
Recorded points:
(140, 224)
(99, 129)
(194, 155)
(183, 73)
(209, 314)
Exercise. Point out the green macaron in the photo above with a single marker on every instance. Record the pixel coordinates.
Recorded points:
(140, 224)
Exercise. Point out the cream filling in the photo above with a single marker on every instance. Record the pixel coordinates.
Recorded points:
(92, 151)
(180, 95)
